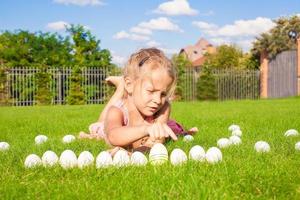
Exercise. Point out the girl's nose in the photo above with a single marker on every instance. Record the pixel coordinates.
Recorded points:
(157, 99)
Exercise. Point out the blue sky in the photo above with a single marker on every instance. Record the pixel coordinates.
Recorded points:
(126, 26)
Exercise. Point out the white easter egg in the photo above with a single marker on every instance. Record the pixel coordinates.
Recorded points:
(121, 158)
(291, 132)
(188, 138)
(68, 159)
(138, 159)
(158, 154)
(197, 153)
(49, 159)
(68, 138)
(237, 132)
(223, 143)
(85, 159)
(213, 155)
(32, 161)
(40, 139)
(262, 146)
(103, 160)
(297, 146)
(178, 157)
(235, 140)
(4, 146)
(233, 127)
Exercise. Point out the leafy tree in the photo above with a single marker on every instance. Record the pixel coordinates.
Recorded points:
(86, 48)
(249, 61)
(3, 86)
(182, 64)
(22, 48)
(43, 95)
(45, 50)
(87, 53)
(229, 57)
(206, 85)
(76, 96)
(226, 56)
(277, 39)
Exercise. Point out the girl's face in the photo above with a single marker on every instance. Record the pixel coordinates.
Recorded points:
(150, 91)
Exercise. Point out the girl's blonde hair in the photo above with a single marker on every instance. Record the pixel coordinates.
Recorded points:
(153, 58)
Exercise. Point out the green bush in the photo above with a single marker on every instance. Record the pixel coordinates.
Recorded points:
(43, 95)
(76, 95)
(206, 85)
(3, 87)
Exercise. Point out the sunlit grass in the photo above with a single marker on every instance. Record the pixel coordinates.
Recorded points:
(243, 174)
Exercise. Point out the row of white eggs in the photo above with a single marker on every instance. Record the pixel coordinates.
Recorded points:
(40, 139)
(236, 130)
(158, 155)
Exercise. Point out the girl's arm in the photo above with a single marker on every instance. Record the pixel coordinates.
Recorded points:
(119, 135)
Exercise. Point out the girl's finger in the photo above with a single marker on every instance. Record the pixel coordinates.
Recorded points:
(170, 132)
(161, 131)
(157, 134)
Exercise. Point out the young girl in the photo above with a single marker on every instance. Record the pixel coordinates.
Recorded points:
(137, 114)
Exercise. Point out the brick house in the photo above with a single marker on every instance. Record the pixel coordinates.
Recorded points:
(196, 53)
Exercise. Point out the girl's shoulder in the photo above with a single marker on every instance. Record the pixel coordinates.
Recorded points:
(119, 108)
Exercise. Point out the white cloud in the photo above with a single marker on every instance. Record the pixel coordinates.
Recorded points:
(241, 32)
(204, 25)
(153, 43)
(247, 27)
(140, 30)
(118, 60)
(168, 51)
(80, 2)
(124, 35)
(219, 41)
(121, 35)
(238, 28)
(176, 7)
(57, 26)
(161, 23)
(245, 44)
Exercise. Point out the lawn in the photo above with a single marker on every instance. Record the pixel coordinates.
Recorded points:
(243, 173)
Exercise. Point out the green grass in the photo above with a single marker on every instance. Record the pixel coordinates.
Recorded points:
(243, 174)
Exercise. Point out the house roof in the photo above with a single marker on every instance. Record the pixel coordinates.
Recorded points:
(195, 53)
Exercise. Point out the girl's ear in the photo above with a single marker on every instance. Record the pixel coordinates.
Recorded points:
(128, 85)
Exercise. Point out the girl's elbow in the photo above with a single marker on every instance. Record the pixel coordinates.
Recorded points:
(110, 138)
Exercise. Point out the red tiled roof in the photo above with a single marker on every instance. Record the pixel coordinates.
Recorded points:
(198, 62)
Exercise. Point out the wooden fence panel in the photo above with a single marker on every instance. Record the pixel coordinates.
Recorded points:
(282, 75)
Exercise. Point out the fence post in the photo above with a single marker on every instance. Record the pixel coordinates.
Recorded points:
(298, 64)
(264, 64)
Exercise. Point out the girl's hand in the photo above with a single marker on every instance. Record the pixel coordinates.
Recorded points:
(158, 131)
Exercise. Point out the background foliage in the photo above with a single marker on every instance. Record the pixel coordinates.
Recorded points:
(277, 39)
(77, 50)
